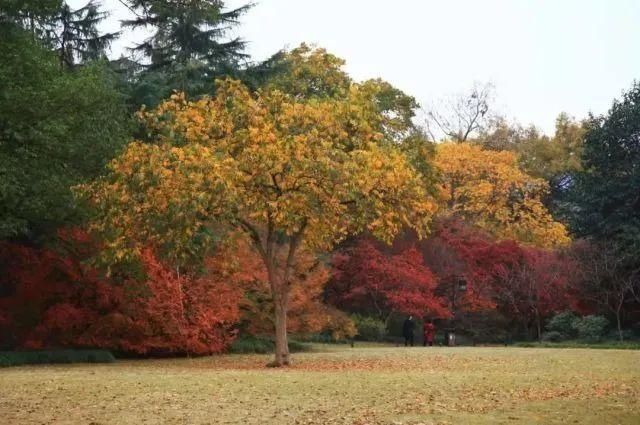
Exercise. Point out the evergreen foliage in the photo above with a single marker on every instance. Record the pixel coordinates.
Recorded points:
(74, 34)
(19, 358)
(57, 129)
(606, 197)
(188, 48)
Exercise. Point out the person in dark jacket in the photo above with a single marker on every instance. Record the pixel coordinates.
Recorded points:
(407, 331)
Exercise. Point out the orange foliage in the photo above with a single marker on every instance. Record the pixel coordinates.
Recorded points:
(307, 312)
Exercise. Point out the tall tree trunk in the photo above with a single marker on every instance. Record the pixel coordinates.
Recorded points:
(280, 294)
(282, 345)
(279, 281)
(538, 326)
(619, 322)
(281, 299)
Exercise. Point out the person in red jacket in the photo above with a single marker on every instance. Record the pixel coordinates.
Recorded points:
(429, 332)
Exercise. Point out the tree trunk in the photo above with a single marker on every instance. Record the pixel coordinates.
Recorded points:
(387, 319)
(279, 280)
(282, 345)
(280, 293)
(619, 324)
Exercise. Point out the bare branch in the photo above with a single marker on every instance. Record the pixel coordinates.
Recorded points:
(462, 115)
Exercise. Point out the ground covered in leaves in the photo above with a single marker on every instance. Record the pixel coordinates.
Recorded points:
(336, 385)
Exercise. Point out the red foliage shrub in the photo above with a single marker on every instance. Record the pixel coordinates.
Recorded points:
(368, 281)
(526, 284)
(533, 287)
(51, 299)
(455, 251)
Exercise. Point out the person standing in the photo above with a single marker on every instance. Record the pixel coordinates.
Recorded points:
(429, 330)
(407, 331)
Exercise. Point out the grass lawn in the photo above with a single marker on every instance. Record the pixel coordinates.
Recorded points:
(336, 385)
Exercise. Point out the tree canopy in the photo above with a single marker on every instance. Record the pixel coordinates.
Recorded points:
(270, 188)
(489, 189)
(607, 192)
(57, 129)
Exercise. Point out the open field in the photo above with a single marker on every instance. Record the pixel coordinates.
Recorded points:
(336, 385)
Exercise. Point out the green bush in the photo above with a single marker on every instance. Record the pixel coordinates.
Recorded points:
(553, 336)
(591, 328)
(627, 334)
(4, 361)
(321, 338)
(601, 345)
(252, 344)
(17, 358)
(562, 324)
(298, 347)
(369, 328)
(260, 345)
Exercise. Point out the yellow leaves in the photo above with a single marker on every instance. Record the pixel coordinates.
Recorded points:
(488, 188)
(267, 158)
(392, 193)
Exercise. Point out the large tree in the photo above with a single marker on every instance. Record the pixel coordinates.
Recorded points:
(463, 116)
(57, 129)
(287, 171)
(554, 159)
(604, 279)
(604, 202)
(72, 33)
(606, 194)
(524, 284)
(368, 281)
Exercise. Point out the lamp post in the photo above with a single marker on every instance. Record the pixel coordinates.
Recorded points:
(460, 285)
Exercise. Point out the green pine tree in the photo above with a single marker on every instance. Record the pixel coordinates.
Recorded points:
(188, 48)
(606, 193)
(74, 34)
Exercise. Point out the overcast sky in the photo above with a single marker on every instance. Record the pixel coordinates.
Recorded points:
(543, 57)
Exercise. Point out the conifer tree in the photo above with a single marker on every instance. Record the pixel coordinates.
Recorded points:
(187, 48)
(74, 34)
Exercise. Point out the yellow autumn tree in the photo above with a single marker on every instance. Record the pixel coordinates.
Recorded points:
(288, 171)
(488, 189)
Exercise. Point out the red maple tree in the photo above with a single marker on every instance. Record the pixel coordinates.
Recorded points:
(369, 281)
(525, 284)
(52, 299)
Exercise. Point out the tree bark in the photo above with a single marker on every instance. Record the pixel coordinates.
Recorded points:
(282, 344)
(536, 316)
(279, 281)
(619, 322)
(280, 294)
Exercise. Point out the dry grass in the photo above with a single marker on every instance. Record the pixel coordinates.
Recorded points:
(336, 385)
